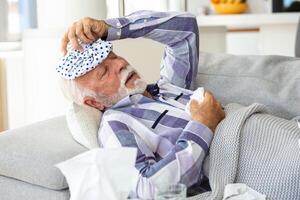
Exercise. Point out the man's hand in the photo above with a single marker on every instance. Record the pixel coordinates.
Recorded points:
(87, 30)
(209, 112)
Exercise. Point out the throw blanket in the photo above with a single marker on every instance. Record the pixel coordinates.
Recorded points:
(257, 149)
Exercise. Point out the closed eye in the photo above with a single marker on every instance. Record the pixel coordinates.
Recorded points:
(102, 73)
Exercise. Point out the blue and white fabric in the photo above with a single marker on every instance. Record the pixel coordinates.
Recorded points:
(77, 63)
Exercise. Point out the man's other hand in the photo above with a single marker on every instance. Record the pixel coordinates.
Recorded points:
(86, 30)
(209, 112)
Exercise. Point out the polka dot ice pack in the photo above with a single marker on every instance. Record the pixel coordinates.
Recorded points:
(77, 63)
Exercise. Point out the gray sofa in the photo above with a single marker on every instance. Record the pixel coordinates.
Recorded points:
(28, 154)
(27, 159)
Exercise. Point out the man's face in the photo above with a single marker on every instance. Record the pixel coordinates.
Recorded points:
(113, 77)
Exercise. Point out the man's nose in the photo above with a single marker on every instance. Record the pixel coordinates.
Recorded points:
(119, 65)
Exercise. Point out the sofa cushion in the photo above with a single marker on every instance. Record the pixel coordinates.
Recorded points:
(12, 189)
(270, 80)
(83, 122)
(30, 153)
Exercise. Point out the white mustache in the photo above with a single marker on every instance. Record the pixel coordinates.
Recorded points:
(125, 73)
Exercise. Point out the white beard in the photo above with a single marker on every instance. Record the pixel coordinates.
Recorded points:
(139, 86)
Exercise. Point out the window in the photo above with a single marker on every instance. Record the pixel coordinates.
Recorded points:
(13, 17)
(16, 16)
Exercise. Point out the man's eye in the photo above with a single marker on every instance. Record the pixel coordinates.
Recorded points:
(103, 74)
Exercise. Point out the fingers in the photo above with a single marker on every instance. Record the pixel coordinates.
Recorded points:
(87, 31)
(73, 39)
(99, 28)
(220, 105)
(64, 42)
(194, 104)
(78, 31)
(208, 97)
(95, 28)
(81, 34)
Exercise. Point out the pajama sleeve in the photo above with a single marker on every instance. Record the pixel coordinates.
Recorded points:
(178, 31)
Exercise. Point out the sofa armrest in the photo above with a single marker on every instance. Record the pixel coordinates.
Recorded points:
(30, 153)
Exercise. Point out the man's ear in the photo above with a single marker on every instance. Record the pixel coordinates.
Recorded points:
(90, 101)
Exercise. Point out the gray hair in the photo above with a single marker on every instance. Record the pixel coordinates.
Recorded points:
(74, 92)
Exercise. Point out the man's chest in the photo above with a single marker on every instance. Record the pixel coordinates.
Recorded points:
(160, 116)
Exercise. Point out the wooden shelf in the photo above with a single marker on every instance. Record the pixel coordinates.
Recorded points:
(247, 20)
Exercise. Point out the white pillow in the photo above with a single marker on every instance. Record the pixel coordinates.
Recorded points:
(83, 122)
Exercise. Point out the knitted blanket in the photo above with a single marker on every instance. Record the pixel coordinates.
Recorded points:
(257, 149)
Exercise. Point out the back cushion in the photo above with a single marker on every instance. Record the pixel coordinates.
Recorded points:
(297, 46)
(270, 80)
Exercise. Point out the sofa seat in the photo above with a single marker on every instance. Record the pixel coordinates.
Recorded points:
(29, 154)
(12, 189)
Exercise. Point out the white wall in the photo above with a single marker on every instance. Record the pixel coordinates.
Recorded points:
(54, 14)
(143, 54)
(281, 42)
(193, 5)
(240, 43)
(43, 98)
(12, 89)
(258, 6)
(134, 5)
(3, 110)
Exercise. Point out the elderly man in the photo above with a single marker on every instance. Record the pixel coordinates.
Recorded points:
(171, 143)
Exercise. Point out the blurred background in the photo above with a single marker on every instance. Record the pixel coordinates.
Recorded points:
(31, 30)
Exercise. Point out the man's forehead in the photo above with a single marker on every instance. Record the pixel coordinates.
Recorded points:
(111, 55)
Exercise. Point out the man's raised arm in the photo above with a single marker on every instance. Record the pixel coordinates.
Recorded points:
(178, 31)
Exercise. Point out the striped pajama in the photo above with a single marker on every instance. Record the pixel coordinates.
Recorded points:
(171, 146)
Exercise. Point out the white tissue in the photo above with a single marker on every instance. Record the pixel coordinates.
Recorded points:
(198, 95)
(101, 174)
(240, 191)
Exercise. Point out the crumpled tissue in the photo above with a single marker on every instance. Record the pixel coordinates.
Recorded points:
(101, 174)
(240, 191)
(198, 95)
